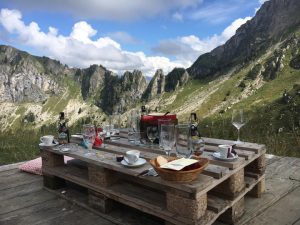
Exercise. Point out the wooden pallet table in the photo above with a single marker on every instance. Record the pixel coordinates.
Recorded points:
(218, 192)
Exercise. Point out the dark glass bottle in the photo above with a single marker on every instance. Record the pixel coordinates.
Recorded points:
(197, 143)
(63, 130)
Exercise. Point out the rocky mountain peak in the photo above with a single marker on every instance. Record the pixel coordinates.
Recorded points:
(274, 20)
(176, 78)
(156, 85)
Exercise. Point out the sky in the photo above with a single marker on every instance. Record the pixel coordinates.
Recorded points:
(122, 35)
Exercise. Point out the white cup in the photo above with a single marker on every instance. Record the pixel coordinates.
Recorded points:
(132, 156)
(47, 140)
(224, 150)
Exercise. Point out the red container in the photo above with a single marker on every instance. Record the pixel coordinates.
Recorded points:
(152, 120)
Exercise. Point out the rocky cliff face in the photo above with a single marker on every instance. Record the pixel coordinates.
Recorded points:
(27, 78)
(156, 85)
(178, 77)
(24, 78)
(91, 80)
(121, 93)
(273, 21)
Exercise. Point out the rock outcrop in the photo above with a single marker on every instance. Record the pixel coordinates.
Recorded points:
(23, 78)
(156, 85)
(178, 77)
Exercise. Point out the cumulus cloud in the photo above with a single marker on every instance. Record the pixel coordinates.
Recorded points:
(188, 48)
(108, 10)
(80, 48)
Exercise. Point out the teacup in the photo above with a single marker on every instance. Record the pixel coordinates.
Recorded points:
(224, 150)
(47, 140)
(132, 156)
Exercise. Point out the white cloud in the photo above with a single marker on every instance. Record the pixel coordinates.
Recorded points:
(79, 49)
(187, 49)
(177, 16)
(108, 10)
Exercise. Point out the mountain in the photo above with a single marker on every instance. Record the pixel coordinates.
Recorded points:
(257, 70)
(272, 23)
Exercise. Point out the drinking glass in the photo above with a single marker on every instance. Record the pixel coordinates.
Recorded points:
(152, 133)
(89, 135)
(183, 140)
(238, 120)
(167, 137)
(134, 122)
(160, 122)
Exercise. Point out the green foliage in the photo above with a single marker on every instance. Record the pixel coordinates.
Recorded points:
(277, 125)
(30, 117)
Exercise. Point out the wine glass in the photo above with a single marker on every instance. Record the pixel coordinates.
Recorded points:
(152, 133)
(167, 137)
(183, 140)
(238, 120)
(89, 135)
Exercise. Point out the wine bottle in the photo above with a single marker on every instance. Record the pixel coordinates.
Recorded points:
(63, 130)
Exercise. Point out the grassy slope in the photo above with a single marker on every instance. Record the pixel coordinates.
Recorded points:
(263, 107)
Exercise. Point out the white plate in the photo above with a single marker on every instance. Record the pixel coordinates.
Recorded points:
(138, 163)
(218, 156)
(44, 145)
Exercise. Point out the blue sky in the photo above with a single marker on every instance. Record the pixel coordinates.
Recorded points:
(120, 34)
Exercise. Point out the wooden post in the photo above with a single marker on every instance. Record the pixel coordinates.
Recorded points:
(257, 166)
(101, 177)
(50, 160)
(258, 189)
(233, 214)
(186, 207)
(232, 186)
(100, 202)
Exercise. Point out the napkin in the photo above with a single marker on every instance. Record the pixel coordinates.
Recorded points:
(179, 164)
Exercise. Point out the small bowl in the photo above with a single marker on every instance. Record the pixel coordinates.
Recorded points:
(187, 174)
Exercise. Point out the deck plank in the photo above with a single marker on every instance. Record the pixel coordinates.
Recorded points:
(17, 180)
(286, 209)
(23, 201)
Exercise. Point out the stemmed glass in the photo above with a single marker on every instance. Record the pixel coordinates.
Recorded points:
(238, 120)
(152, 133)
(89, 135)
(167, 137)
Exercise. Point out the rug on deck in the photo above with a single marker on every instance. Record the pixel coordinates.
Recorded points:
(35, 166)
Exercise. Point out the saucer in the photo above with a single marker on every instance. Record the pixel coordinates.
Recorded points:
(44, 145)
(218, 156)
(138, 163)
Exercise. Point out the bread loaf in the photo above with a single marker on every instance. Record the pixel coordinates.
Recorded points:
(160, 160)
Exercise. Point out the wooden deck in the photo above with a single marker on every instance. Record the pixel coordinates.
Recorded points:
(24, 201)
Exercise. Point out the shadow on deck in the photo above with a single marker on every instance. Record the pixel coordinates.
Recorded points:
(24, 201)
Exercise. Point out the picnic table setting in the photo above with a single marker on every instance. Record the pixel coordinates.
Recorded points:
(157, 165)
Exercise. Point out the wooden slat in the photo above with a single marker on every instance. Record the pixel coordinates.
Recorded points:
(215, 171)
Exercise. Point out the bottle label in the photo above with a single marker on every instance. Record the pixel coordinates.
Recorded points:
(62, 138)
